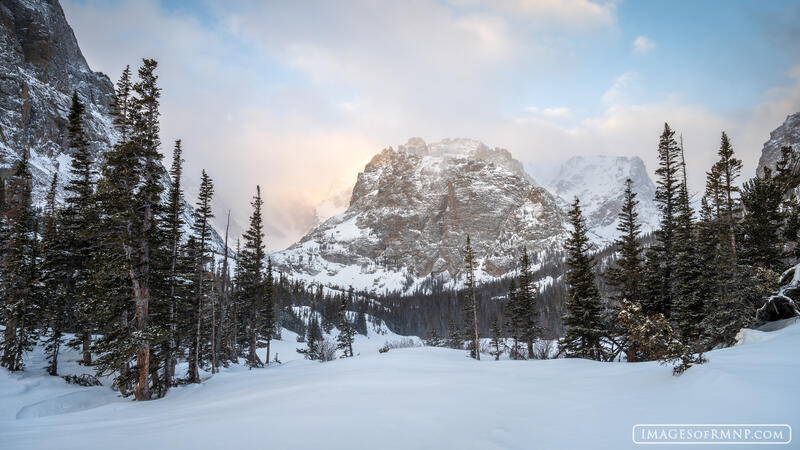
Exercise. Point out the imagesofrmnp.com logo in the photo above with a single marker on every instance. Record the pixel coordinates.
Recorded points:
(712, 434)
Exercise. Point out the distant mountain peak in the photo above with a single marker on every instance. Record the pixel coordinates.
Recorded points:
(411, 210)
(599, 181)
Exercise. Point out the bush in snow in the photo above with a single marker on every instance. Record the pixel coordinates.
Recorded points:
(401, 343)
(326, 349)
(543, 348)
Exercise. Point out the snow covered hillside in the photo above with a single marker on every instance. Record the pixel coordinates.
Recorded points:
(411, 398)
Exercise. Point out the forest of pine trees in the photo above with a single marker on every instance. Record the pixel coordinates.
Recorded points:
(115, 267)
(704, 276)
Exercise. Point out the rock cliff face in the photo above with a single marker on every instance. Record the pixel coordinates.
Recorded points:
(41, 66)
(599, 182)
(411, 211)
(786, 134)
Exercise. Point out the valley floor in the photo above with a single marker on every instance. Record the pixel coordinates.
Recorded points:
(409, 398)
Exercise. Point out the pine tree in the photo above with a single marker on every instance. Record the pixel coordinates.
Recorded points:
(528, 319)
(20, 270)
(688, 308)
(433, 339)
(584, 318)
(268, 313)
(145, 132)
(626, 276)
(472, 301)
(454, 339)
(661, 257)
(131, 244)
(497, 341)
(725, 307)
(172, 225)
(313, 339)
(53, 297)
(121, 107)
(729, 168)
(346, 331)
(516, 312)
(201, 229)
(762, 240)
(78, 222)
(251, 278)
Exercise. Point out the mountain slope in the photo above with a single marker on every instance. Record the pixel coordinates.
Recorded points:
(41, 65)
(411, 211)
(786, 134)
(599, 182)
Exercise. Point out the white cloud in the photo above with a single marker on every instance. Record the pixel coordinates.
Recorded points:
(577, 15)
(619, 92)
(350, 78)
(643, 45)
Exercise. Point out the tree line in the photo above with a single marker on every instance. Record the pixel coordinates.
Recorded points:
(706, 272)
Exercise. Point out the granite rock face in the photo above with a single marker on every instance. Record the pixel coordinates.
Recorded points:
(41, 65)
(411, 211)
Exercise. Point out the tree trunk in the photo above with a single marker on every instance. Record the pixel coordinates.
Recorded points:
(475, 323)
(87, 347)
(142, 297)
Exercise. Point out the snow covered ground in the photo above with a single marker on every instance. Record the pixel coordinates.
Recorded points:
(410, 398)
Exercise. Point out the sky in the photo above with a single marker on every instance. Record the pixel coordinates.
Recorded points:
(298, 96)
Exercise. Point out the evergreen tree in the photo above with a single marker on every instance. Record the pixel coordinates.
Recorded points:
(129, 194)
(526, 297)
(172, 225)
(729, 168)
(626, 277)
(688, 308)
(762, 239)
(268, 314)
(346, 331)
(584, 318)
(251, 278)
(497, 340)
(78, 221)
(361, 324)
(201, 229)
(20, 270)
(313, 340)
(516, 312)
(433, 339)
(661, 257)
(53, 297)
(454, 338)
(472, 301)
(145, 132)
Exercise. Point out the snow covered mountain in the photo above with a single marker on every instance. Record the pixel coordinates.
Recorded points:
(599, 182)
(41, 65)
(786, 134)
(411, 211)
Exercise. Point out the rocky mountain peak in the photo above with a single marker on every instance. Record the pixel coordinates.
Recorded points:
(411, 210)
(599, 182)
(786, 134)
